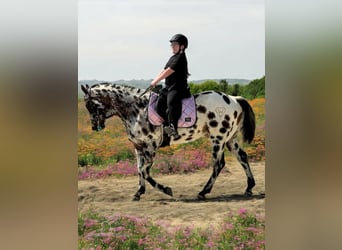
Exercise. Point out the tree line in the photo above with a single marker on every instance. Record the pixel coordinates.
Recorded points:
(252, 90)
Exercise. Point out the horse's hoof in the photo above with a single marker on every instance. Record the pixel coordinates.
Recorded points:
(136, 198)
(168, 191)
(248, 193)
(201, 197)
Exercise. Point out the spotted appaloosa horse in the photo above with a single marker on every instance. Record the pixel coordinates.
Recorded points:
(219, 117)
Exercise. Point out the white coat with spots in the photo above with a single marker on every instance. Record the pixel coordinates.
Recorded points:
(219, 117)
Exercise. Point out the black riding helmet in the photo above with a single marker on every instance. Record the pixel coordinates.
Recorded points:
(181, 39)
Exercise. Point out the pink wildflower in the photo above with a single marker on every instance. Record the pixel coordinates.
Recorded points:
(229, 226)
(242, 211)
(89, 223)
(210, 244)
(141, 242)
(117, 229)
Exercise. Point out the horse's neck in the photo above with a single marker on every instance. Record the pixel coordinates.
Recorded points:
(132, 110)
(128, 104)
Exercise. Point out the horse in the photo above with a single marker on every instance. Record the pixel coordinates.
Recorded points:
(219, 117)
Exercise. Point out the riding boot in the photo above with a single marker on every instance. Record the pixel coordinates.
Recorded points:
(171, 130)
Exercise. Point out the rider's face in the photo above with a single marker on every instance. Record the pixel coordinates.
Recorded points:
(175, 47)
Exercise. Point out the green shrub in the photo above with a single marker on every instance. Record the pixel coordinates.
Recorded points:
(89, 160)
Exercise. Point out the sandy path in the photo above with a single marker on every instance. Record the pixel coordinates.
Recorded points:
(114, 195)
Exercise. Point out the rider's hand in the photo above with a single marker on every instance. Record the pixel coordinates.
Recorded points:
(154, 83)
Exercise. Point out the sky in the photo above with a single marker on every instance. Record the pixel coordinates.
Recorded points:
(129, 39)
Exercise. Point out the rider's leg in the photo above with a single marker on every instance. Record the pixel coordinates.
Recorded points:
(174, 105)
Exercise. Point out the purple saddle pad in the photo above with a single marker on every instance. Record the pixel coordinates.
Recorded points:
(187, 119)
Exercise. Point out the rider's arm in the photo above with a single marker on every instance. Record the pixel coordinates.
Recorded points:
(164, 74)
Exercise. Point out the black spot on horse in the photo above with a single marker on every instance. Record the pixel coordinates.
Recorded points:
(145, 131)
(223, 130)
(226, 99)
(218, 137)
(225, 124)
(147, 153)
(211, 115)
(151, 127)
(216, 148)
(206, 92)
(201, 109)
(235, 114)
(213, 123)
(226, 117)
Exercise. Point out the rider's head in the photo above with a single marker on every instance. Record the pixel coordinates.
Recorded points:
(181, 40)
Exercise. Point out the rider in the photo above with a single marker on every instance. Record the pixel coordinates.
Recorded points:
(175, 73)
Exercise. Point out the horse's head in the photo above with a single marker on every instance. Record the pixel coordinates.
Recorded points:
(98, 107)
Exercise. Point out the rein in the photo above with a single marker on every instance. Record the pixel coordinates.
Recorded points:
(149, 89)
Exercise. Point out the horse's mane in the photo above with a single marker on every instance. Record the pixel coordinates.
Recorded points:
(122, 87)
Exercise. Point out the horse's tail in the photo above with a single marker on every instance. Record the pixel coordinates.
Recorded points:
(248, 126)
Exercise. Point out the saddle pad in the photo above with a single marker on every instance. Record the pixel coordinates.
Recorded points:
(187, 119)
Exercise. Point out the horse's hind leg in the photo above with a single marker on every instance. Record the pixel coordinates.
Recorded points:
(219, 163)
(241, 156)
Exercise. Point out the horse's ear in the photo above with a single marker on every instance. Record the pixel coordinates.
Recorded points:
(85, 90)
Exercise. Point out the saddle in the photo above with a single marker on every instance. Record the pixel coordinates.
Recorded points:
(187, 119)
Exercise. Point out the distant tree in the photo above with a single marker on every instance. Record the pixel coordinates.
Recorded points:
(254, 89)
(204, 86)
(236, 89)
(223, 84)
(210, 85)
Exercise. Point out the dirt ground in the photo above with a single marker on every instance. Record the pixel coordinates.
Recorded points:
(113, 195)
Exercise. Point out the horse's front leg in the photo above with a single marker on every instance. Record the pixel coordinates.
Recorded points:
(142, 188)
(219, 163)
(144, 165)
